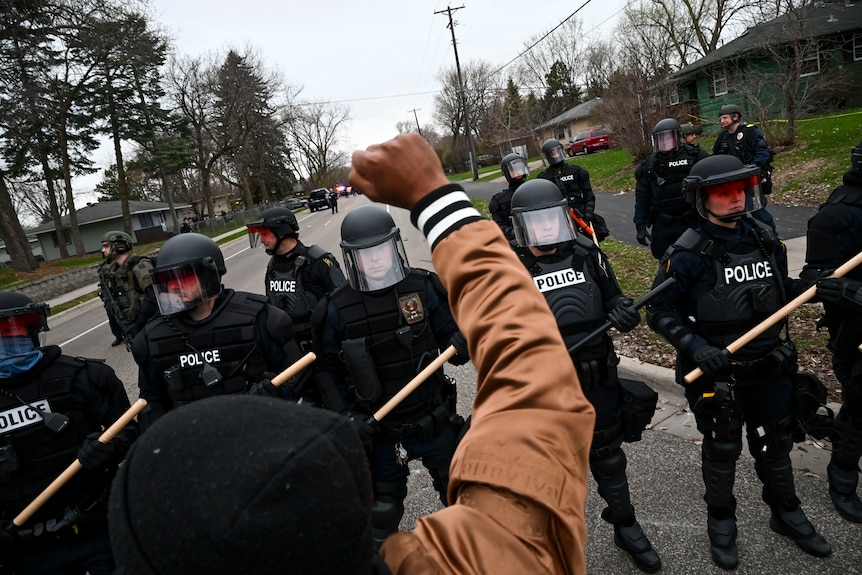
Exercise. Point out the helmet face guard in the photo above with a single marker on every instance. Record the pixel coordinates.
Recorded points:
(543, 227)
(185, 286)
(29, 321)
(375, 265)
(254, 233)
(555, 154)
(735, 197)
(516, 169)
(665, 141)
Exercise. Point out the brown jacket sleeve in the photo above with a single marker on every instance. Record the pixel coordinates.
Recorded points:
(519, 477)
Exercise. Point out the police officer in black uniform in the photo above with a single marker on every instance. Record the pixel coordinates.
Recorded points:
(834, 236)
(514, 168)
(376, 333)
(208, 340)
(574, 183)
(731, 273)
(52, 410)
(659, 201)
(582, 291)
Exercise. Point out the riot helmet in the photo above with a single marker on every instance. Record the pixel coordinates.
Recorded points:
(514, 167)
(374, 254)
(730, 110)
(727, 185)
(117, 243)
(553, 151)
(279, 221)
(21, 319)
(188, 272)
(540, 216)
(666, 136)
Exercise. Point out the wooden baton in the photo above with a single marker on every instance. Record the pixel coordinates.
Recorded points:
(294, 368)
(414, 383)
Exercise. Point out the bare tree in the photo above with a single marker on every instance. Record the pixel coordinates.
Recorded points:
(600, 63)
(315, 131)
(561, 46)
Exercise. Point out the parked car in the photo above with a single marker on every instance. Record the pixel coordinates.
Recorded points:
(317, 200)
(295, 204)
(590, 141)
(486, 160)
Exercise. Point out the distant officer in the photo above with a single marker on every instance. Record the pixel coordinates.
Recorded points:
(689, 134)
(208, 340)
(582, 291)
(834, 236)
(731, 274)
(659, 201)
(749, 145)
(52, 410)
(377, 332)
(514, 168)
(126, 288)
(574, 184)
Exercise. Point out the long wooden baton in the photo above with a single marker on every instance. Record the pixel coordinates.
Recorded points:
(75, 466)
(748, 336)
(294, 368)
(647, 297)
(414, 383)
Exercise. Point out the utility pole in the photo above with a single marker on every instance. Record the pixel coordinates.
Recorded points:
(414, 110)
(467, 130)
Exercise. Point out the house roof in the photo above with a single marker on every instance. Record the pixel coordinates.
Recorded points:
(103, 211)
(583, 110)
(817, 21)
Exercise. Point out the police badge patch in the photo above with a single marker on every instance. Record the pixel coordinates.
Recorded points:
(411, 308)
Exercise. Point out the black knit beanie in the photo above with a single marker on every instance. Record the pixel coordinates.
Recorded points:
(243, 484)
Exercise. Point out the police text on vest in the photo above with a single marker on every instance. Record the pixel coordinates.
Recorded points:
(191, 359)
(558, 279)
(22, 416)
(747, 272)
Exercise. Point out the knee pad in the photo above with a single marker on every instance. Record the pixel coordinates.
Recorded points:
(610, 464)
(727, 451)
(771, 441)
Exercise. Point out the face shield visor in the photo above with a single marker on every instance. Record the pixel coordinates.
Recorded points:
(23, 328)
(518, 169)
(556, 154)
(729, 201)
(378, 266)
(185, 286)
(258, 234)
(543, 228)
(665, 141)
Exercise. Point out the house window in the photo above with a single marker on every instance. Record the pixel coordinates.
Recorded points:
(146, 220)
(810, 61)
(857, 47)
(719, 82)
(67, 238)
(674, 98)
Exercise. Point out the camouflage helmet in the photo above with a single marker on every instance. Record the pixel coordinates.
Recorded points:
(121, 241)
(730, 110)
(688, 129)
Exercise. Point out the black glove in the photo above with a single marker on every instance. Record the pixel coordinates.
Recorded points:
(462, 354)
(265, 388)
(8, 537)
(643, 237)
(833, 290)
(711, 360)
(624, 316)
(130, 332)
(94, 454)
(366, 428)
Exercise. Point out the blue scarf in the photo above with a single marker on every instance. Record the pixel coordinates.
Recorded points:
(17, 355)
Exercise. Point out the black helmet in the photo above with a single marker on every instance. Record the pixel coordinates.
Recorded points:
(280, 221)
(666, 136)
(121, 242)
(373, 251)
(540, 216)
(20, 317)
(688, 129)
(188, 272)
(514, 167)
(730, 110)
(553, 151)
(723, 174)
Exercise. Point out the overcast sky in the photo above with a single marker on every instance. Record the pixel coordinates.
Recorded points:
(380, 58)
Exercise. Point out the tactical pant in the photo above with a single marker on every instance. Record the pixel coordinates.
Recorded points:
(76, 557)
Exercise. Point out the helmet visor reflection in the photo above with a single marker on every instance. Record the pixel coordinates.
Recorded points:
(730, 199)
(664, 141)
(543, 227)
(518, 168)
(180, 288)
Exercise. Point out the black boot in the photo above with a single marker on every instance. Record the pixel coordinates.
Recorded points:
(795, 524)
(842, 490)
(631, 539)
(722, 542)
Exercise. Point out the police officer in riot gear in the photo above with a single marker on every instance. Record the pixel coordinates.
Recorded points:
(731, 273)
(574, 183)
(659, 201)
(208, 340)
(54, 407)
(514, 168)
(834, 236)
(376, 333)
(689, 135)
(577, 280)
(125, 287)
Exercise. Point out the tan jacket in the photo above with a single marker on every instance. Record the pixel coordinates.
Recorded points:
(520, 474)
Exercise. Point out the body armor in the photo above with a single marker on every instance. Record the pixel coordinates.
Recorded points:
(666, 174)
(393, 328)
(225, 340)
(126, 283)
(567, 179)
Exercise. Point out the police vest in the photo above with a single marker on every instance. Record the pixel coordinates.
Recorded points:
(398, 338)
(746, 291)
(126, 283)
(567, 179)
(31, 455)
(666, 174)
(224, 340)
(284, 290)
(740, 143)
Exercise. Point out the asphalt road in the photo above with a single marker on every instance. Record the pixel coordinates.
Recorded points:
(664, 468)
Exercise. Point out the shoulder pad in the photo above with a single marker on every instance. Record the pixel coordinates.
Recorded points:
(316, 252)
(583, 241)
(690, 240)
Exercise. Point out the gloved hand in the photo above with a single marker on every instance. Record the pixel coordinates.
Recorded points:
(94, 454)
(643, 237)
(130, 332)
(8, 537)
(462, 354)
(265, 388)
(366, 428)
(711, 360)
(624, 316)
(833, 290)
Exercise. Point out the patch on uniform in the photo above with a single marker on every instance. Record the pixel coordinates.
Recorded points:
(23, 415)
(327, 261)
(411, 308)
(740, 135)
